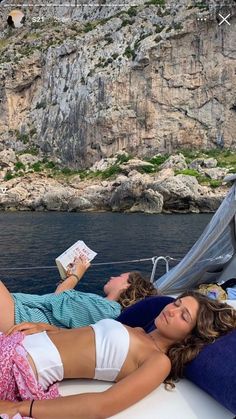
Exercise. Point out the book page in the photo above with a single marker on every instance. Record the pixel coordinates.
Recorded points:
(76, 250)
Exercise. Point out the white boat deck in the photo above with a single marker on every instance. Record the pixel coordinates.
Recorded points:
(186, 401)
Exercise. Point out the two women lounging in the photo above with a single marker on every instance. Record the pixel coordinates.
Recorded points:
(136, 361)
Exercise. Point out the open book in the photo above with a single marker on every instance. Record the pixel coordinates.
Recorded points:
(65, 260)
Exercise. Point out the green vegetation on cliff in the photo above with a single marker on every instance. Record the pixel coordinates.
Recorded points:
(226, 159)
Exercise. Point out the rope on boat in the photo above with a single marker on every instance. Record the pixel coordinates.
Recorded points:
(154, 260)
(93, 264)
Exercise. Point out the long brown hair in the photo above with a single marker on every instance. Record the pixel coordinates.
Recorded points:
(138, 289)
(214, 319)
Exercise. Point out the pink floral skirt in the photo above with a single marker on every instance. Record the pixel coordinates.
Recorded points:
(17, 380)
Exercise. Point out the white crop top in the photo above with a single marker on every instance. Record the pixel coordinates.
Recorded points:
(46, 358)
(112, 346)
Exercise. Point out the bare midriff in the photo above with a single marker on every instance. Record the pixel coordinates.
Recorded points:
(81, 361)
(78, 352)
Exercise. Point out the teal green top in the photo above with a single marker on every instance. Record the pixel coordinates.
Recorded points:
(68, 309)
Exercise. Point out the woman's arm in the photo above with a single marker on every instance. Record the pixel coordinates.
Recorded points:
(137, 385)
(107, 403)
(79, 267)
(80, 406)
(30, 328)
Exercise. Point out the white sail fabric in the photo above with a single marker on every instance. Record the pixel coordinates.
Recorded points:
(210, 255)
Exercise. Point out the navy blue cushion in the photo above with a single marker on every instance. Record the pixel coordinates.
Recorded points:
(214, 369)
(143, 313)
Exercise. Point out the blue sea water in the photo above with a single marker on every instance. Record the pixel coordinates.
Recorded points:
(31, 239)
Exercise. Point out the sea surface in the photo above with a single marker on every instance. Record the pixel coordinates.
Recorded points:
(32, 241)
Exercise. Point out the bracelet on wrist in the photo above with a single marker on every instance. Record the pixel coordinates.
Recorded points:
(76, 276)
(31, 409)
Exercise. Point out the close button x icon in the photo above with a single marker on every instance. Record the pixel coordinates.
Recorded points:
(224, 19)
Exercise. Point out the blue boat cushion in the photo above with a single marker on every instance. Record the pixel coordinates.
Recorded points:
(143, 313)
(213, 370)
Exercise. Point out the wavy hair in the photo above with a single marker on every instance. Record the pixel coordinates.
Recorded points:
(138, 289)
(214, 319)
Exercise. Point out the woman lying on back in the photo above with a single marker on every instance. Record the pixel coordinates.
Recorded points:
(71, 308)
(138, 362)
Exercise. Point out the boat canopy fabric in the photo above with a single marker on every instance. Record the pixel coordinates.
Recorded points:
(212, 258)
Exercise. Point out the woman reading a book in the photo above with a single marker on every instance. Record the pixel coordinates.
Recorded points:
(70, 308)
(136, 361)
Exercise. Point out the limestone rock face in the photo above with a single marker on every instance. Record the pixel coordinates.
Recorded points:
(75, 181)
(7, 158)
(28, 159)
(56, 199)
(146, 79)
(103, 164)
(135, 164)
(206, 204)
(125, 196)
(150, 202)
(172, 188)
(164, 174)
(215, 173)
(14, 198)
(99, 196)
(78, 204)
(203, 163)
(133, 193)
(175, 162)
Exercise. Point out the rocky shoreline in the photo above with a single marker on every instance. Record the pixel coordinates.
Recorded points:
(135, 186)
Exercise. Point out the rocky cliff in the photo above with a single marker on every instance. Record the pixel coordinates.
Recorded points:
(174, 184)
(147, 78)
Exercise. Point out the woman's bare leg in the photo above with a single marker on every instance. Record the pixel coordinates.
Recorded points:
(6, 309)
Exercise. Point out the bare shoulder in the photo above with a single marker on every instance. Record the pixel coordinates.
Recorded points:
(159, 359)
